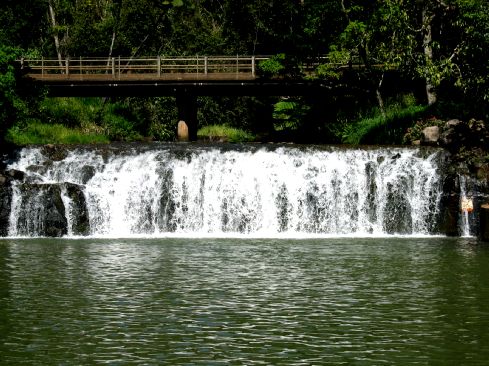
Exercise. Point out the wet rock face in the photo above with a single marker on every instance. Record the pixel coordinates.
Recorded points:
(5, 202)
(55, 152)
(398, 219)
(42, 210)
(449, 214)
(42, 201)
(79, 211)
(484, 223)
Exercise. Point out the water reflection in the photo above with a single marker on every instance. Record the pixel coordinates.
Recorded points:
(394, 301)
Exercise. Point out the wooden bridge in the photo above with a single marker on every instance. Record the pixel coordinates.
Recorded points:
(183, 77)
(160, 75)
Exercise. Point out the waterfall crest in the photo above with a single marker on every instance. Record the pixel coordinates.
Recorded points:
(209, 190)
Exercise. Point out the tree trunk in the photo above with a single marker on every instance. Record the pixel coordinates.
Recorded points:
(363, 52)
(380, 100)
(110, 51)
(428, 53)
(52, 18)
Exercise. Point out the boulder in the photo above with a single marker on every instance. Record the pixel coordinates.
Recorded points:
(430, 135)
(452, 123)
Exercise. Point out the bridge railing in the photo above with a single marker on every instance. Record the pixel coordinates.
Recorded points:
(150, 67)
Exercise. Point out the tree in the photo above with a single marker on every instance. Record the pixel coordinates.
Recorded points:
(17, 99)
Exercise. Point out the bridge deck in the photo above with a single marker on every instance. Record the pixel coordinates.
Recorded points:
(153, 68)
(151, 76)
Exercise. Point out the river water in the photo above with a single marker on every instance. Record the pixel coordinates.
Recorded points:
(176, 301)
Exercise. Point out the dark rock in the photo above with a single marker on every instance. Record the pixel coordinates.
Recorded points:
(454, 135)
(79, 210)
(55, 152)
(87, 173)
(449, 214)
(39, 169)
(15, 174)
(5, 203)
(482, 172)
(484, 222)
(370, 205)
(397, 214)
(43, 211)
(167, 220)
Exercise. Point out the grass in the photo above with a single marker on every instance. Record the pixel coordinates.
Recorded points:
(75, 121)
(36, 133)
(72, 112)
(224, 133)
(380, 130)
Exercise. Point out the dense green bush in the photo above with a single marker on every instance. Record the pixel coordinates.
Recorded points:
(272, 67)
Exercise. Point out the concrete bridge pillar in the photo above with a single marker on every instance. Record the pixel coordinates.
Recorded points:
(187, 116)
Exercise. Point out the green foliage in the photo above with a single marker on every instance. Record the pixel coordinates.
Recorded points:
(248, 113)
(385, 35)
(173, 2)
(118, 124)
(272, 67)
(289, 114)
(72, 112)
(379, 130)
(224, 133)
(18, 100)
(41, 133)
(336, 58)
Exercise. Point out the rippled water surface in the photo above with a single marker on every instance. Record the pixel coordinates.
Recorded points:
(230, 301)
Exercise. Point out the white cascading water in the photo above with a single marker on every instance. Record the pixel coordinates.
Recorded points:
(255, 191)
(464, 201)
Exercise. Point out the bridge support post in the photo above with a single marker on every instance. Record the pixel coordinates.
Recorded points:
(187, 116)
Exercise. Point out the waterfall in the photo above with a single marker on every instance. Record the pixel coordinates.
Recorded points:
(170, 189)
(466, 207)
